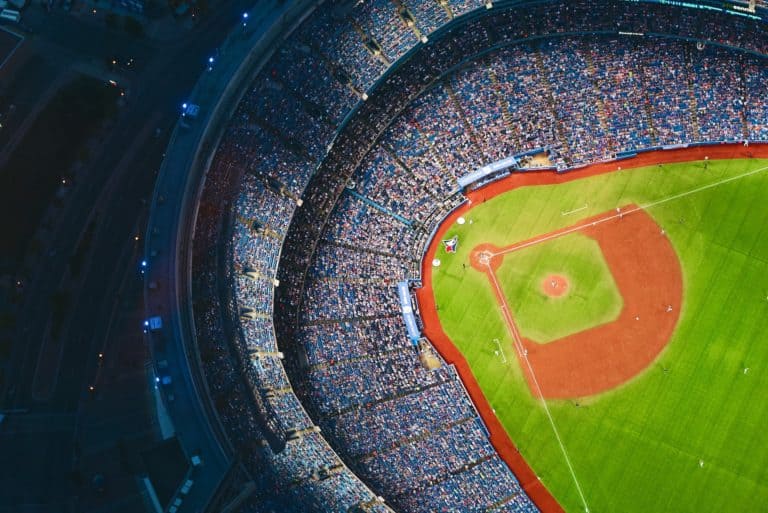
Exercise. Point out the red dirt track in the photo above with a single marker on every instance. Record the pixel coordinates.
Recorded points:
(433, 330)
(641, 259)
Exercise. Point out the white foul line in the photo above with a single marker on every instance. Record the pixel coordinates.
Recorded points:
(629, 211)
(569, 212)
(524, 355)
(513, 328)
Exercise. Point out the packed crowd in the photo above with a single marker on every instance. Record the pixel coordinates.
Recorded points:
(375, 377)
(720, 97)
(254, 294)
(568, 78)
(452, 447)
(380, 19)
(414, 415)
(338, 300)
(333, 262)
(340, 33)
(427, 15)
(482, 487)
(300, 128)
(300, 68)
(583, 100)
(257, 204)
(323, 342)
(406, 430)
(357, 224)
(756, 109)
(622, 90)
(411, 433)
(384, 180)
(296, 473)
(338, 488)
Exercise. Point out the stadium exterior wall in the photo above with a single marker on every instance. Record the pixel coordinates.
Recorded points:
(169, 240)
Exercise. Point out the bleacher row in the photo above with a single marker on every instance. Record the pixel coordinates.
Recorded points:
(253, 396)
(411, 434)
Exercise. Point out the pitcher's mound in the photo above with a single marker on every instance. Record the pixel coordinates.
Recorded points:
(554, 285)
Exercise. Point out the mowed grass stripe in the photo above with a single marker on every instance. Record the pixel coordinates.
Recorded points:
(637, 448)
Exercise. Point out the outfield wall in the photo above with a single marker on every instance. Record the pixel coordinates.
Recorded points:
(433, 331)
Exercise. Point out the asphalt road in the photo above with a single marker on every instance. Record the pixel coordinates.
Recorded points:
(113, 191)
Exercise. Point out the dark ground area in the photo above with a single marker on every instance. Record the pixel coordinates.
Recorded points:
(74, 390)
(40, 164)
(8, 43)
(30, 80)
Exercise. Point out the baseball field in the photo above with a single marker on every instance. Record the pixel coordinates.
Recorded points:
(616, 324)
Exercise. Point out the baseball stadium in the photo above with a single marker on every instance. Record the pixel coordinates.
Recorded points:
(474, 256)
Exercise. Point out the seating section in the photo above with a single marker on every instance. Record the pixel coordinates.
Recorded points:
(382, 179)
(756, 105)
(428, 15)
(307, 75)
(426, 459)
(624, 96)
(459, 7)
(355, 384)
(358, 224)
(415, 415)
(351, 338)
(531, 116)
(719, 97)
(337, 263)
(380, 20)
(568, 78)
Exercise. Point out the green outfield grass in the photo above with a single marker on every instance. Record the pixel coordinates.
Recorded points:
(592, 297)
(639, 448)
